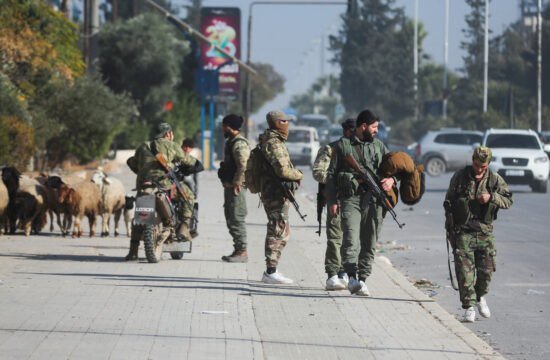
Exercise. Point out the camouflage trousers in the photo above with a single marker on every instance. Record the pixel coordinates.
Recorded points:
(278, 229)
(361, 228)
(234, 208)
(475, 262)
(333, 258)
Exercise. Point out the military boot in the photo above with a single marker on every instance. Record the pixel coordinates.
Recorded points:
(133, 253)
(183, 231)
(239, 256)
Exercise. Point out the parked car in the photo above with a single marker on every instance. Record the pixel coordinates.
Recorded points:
(519, 157)
(319, 122)
(447, 149)
(303, 145)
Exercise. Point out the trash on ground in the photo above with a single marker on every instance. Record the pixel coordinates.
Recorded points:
(535, 292)
(431, 293)
(424, 283)
(214, 312)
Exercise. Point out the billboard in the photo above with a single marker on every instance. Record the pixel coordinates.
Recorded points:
(222, 25)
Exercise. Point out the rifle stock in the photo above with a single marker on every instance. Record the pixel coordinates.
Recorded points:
(369, 183)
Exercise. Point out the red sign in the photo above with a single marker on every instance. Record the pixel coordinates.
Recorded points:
(222, 25)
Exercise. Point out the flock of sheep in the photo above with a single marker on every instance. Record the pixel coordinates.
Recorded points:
(25, 202)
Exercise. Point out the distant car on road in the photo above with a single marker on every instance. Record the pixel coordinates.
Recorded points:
(303, 145)
(519, 157)
(335, 133)
(447, 149)
(383, 132)
(319, 122)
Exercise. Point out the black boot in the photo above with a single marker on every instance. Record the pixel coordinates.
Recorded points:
(133, 253)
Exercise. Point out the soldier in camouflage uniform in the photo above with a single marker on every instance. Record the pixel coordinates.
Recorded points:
(474, 196)
(147, 168)
(236, 154)
(360, 224)
(273, 146)
(337, 277)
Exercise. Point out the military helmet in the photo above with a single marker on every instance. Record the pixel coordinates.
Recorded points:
(162, 129)
(482, 154)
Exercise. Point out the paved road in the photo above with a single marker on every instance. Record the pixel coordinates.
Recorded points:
(64, 298)
(520, 291)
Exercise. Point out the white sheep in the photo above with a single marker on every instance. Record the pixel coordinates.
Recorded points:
(112, 194)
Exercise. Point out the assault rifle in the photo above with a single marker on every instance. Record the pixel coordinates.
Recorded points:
(450, 239)
(284, 188)
(290, 196)
(371, 186)
(320, 205)
(172, 175)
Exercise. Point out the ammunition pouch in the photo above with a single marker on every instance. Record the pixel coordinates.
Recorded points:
(466, 210)
(227, 171)
(346, 184)
(461, 211)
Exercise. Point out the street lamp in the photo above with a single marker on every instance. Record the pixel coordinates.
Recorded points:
(250, 7)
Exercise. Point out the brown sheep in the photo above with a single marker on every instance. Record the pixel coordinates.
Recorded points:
(81, 199)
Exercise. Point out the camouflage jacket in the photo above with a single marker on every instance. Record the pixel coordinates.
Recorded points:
(146, 166)
(322, 161)
(462, 196)
(237, 148)
(367, 153)
(274, 149)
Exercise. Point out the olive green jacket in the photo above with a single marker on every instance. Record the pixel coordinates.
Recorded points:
(462, 197)
(341, 178)
(146, 166)
(237, 148)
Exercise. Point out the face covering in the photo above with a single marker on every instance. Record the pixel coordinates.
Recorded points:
(279, 127)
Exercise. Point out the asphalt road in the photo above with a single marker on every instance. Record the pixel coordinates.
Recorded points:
(520, 290)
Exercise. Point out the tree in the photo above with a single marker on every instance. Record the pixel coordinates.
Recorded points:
(322, 97)
(154, 49)
(16, 142)
(37, 45)
(90, 115)
(264, 87)
(374, 50)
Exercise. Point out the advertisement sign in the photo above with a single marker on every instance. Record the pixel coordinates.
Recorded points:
(222, 25)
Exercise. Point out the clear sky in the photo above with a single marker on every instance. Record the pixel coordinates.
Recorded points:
(289, 36)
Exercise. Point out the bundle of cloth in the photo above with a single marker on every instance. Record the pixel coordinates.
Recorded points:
(401, 165)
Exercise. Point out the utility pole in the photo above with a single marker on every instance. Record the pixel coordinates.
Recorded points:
(446, 59)
(486, 57)
(539, 69)
(416, 60)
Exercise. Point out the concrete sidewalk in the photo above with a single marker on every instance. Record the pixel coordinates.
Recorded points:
(65, 298)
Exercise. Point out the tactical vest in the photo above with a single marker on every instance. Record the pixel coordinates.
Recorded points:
(228, 168)
(466, 209)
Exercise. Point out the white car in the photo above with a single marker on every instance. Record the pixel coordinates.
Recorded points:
(519, 157)
(302, 144)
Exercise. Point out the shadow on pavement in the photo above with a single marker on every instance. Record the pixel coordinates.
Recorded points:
(251, 287)
(66, 257)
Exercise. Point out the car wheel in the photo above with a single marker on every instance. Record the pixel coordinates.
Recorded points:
(435, 166)
(540, 186)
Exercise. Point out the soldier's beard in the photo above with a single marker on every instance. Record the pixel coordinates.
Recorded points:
(367, 136)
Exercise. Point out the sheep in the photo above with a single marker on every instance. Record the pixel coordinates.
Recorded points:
(112, 195)
(10, 178)
(129, 210)
(83, 198)
(31, 205)
(4, 200)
